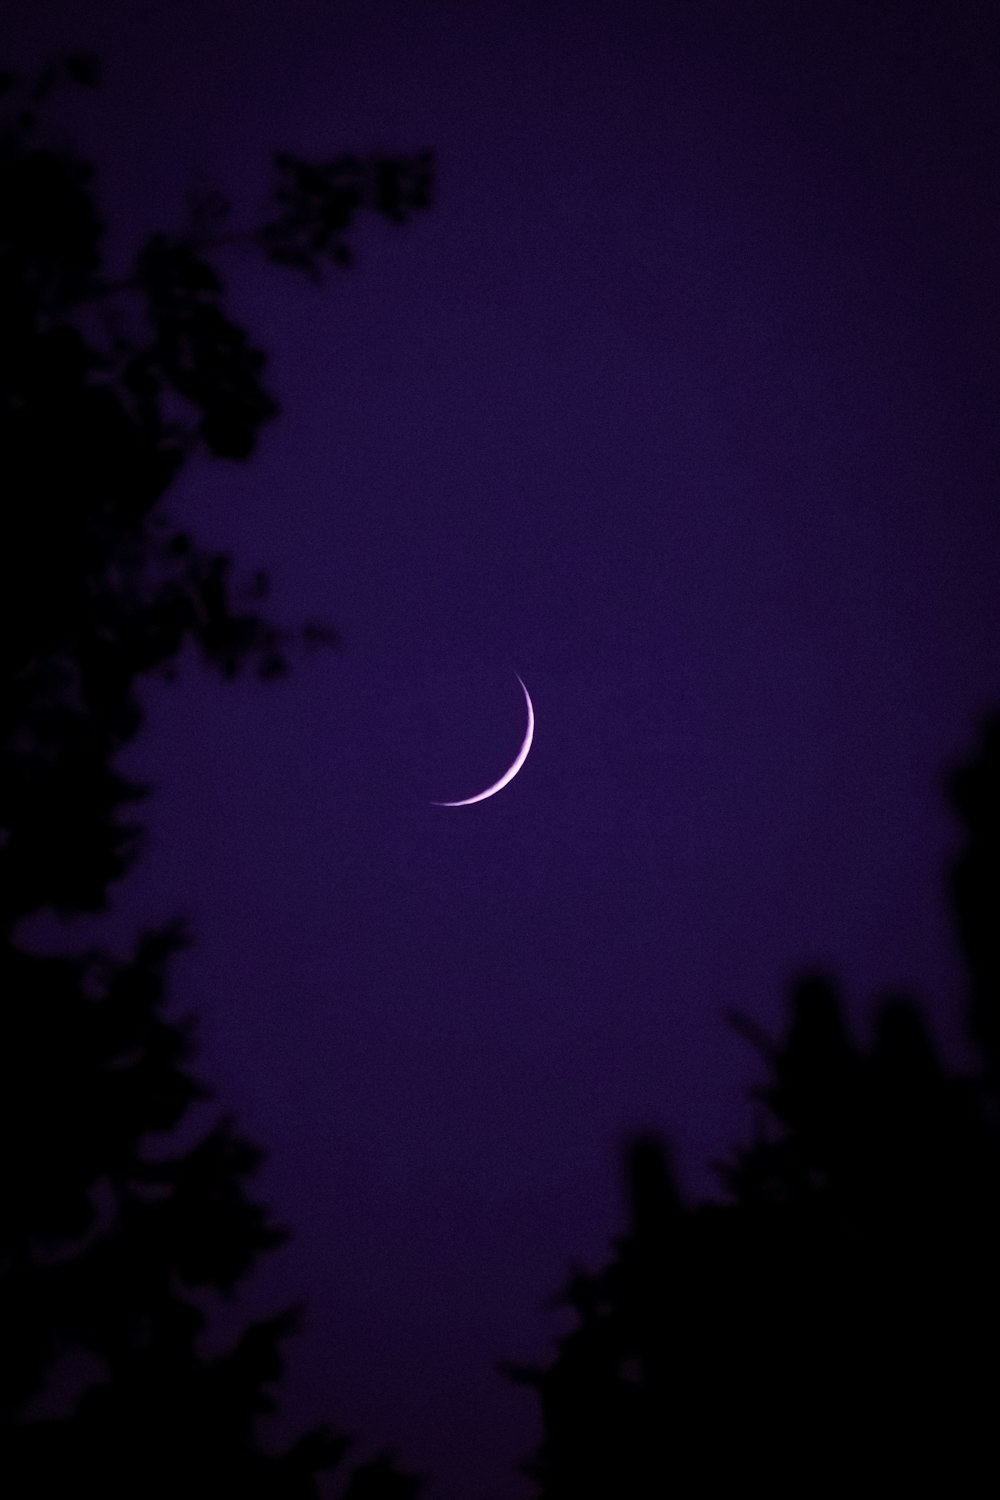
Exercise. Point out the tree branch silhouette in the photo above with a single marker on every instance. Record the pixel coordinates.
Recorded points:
(112, 1242)
(831, 1325)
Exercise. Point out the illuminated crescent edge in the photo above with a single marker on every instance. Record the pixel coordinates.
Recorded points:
(508, 775)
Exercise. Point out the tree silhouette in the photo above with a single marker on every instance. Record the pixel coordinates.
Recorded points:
(832, 1325)
(114, 1239)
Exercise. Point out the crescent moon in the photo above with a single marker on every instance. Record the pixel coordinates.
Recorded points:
(511, 772)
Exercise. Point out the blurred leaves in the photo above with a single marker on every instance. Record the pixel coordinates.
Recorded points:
(99, 413)
(318, 204)
(118, 1224)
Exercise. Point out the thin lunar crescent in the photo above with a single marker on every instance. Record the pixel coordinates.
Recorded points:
(508, 775)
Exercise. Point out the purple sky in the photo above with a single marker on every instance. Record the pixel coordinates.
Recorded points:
(681, 403)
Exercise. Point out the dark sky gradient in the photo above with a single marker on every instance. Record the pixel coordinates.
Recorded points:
(681, 403)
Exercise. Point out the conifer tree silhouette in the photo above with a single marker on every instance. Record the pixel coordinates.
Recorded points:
(832, 1325)
(111, 1242)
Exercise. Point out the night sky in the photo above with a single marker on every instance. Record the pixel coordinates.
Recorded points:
(680, 403)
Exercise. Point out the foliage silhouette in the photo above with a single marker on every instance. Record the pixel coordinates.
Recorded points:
(114, 1237)
(832, 1326)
